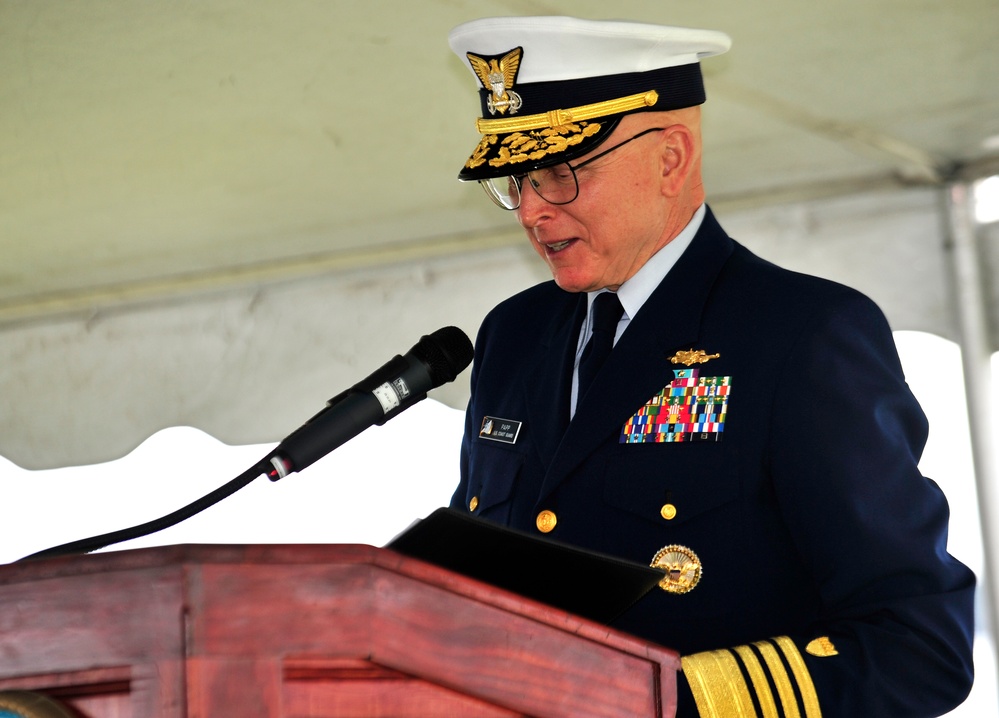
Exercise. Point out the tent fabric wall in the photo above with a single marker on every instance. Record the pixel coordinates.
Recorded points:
(249, 364)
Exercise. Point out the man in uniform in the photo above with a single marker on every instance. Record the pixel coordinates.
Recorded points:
(672, 399)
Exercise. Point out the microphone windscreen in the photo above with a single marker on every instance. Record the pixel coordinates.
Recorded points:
(445, 352)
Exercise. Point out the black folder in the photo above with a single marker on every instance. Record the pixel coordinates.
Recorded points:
(582, 582)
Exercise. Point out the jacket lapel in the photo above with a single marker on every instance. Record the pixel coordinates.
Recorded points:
(549, 381)
(639, 366)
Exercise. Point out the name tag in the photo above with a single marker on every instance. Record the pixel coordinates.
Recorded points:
(497, 429)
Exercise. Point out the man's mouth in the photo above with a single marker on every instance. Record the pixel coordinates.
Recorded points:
(558, 246)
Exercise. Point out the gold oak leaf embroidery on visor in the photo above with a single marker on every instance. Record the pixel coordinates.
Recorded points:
(531, 146)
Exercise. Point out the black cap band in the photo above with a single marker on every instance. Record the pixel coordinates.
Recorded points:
(678, 87)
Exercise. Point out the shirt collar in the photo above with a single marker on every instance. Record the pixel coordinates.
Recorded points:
(634, 292)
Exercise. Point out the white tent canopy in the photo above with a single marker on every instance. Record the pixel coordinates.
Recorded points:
(221, 213)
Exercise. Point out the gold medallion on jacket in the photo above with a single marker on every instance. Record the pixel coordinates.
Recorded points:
(682, 567)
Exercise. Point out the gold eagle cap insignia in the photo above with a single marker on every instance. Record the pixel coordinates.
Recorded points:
(498, 77)
(691, 357)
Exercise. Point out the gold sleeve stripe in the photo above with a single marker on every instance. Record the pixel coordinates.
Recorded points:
(719, 689)
(783, 682)
(759, 678)
(801, 675)
(558, 118)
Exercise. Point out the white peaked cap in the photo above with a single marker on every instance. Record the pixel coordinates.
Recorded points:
(553, 88)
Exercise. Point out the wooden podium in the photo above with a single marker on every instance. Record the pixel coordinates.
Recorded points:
(308, 630)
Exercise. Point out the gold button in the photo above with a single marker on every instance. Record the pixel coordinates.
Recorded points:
(546, 521)
(473, 504)
(668, 512)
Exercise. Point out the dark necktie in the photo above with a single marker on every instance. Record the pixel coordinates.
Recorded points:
(607, 311)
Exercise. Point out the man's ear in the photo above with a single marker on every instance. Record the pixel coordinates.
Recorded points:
(678, 159)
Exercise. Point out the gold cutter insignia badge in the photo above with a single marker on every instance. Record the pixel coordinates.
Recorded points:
(682, 567)
(498, 76)
(691, 357)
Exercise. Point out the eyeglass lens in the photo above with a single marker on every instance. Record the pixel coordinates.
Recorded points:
(556, 185)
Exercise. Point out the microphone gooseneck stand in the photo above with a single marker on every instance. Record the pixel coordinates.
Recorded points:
(405, 380)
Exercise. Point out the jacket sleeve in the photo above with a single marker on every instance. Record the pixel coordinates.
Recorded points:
(896, 627)
(459, 499)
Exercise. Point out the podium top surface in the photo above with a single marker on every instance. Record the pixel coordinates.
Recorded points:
(291, 607)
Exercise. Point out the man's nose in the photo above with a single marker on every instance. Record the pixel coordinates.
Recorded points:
(533, 207)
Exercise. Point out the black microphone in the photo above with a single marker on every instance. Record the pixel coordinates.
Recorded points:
(405, 380)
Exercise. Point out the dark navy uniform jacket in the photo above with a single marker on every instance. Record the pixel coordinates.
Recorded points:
(815, 531)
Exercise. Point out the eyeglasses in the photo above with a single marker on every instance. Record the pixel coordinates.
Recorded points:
(557, 184)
